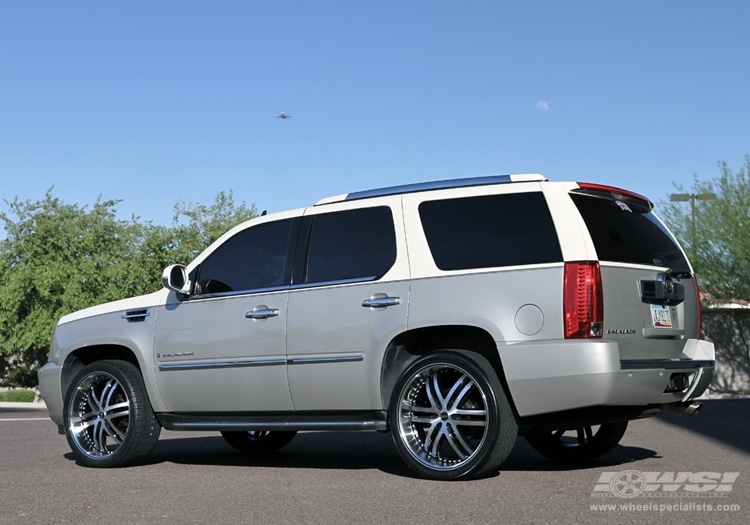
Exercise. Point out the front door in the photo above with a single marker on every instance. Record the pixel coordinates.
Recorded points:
(224, 348)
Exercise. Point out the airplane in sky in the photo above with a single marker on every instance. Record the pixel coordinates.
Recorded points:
(284, 115)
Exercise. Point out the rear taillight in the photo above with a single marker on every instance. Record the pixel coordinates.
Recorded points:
(583, 302)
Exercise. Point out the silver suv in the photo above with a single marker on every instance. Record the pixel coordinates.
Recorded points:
(456, 315)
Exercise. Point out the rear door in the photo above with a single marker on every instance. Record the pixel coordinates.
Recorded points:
(651, 304)
(349, 298)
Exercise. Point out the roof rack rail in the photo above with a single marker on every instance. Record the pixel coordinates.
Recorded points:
(434, 185)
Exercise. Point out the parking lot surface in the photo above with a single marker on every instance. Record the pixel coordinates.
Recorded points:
(668, 469)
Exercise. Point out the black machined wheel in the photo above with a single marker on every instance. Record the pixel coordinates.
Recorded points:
(450, 418)
(258, 441)
(109, 421)
(577, 444)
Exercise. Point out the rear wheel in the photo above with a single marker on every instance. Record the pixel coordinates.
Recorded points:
(258, 441)
(578, 444)
(109, 421)
(450, 418)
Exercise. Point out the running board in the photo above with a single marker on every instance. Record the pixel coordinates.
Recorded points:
(372, 420)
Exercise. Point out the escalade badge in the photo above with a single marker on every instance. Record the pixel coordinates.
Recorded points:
(176, 354)
(621, 331)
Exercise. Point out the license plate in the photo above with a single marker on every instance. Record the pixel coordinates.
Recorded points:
(661, 316)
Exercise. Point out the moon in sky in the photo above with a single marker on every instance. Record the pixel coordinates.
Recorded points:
(542, 106)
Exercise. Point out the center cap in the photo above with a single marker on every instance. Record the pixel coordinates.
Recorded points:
(444, 416)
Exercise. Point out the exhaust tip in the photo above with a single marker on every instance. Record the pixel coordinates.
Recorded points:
(689, 408)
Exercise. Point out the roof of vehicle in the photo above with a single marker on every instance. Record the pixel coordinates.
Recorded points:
(434, 185)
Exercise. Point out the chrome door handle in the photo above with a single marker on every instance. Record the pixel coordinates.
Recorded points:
(262, 313)
(381, 302)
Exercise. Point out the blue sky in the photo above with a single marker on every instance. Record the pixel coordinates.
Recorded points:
(159, 102)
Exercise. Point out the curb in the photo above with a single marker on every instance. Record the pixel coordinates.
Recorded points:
(36, 405)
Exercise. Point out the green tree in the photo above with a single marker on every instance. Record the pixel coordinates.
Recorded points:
(57, 258)
(205, 224)
(716, 231)
(194, 227)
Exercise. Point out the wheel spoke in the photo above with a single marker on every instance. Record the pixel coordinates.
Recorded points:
(112, 430)
(107, 392)
(88, 416)
(469, 422)
(100, 436)
(94, 400)
(460, 445)
(432, 438)
(454, 397)
(433, 393)
(109, 407)
(83, 426)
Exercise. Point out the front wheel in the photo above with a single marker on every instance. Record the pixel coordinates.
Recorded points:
(109, 421)
(577, 444)
(450, 418)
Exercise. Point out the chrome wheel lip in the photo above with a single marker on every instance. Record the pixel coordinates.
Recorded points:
(99, 415)
(445, 422)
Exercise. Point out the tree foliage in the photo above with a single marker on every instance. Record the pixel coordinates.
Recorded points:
(57, 258)
(716, 232)
(205, 224)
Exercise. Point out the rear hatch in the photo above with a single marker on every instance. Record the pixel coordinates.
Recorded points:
(651, 301)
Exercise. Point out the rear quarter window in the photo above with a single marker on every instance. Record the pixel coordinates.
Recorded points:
(490, 231)
(628, 233)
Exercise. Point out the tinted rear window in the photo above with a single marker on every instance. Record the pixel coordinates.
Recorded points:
(490, 231)
(627, 233)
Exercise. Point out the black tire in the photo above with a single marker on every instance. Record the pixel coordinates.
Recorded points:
(450, 418)
(578, 444)
(258, 442)
(109, 421)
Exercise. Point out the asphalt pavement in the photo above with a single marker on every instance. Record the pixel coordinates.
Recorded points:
(671, 469)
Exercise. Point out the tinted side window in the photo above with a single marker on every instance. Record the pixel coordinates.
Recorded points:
(490, 231)
(254, 258)
(354, 244)
(628, 234)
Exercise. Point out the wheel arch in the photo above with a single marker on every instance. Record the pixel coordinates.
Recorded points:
(408, 346)
(81, 357)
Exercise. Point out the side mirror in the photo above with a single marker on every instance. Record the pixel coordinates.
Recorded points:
(174, 278)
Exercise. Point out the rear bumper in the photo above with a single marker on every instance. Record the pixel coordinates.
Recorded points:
(558, 376)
